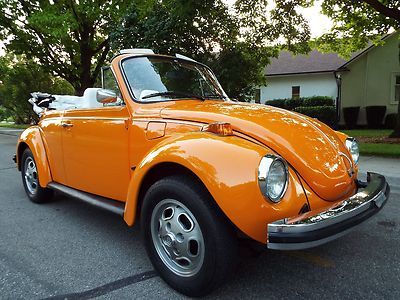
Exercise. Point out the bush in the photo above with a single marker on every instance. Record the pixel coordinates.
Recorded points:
(277, 103)
(325, 114)
(350, 115)
(4, 114)
(375, 115)
(390, 121)
(291, 104)
(318, 101)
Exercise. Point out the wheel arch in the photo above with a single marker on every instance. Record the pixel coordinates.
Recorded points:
(20, 150)
(32, 139)
(162, 170)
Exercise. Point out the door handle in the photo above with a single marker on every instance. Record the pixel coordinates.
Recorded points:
(66, 125)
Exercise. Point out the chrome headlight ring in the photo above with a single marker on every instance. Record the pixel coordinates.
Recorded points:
(352, 146)
(273, 177)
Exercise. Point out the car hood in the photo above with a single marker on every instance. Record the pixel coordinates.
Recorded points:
(310, 147)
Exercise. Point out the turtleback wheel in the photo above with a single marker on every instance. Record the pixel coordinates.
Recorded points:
(30, 179)
(189, 242)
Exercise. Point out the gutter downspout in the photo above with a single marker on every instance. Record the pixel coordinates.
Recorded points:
(338, 103)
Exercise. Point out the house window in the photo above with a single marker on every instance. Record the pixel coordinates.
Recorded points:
(257, 95)
(295, 92)
(396, 88)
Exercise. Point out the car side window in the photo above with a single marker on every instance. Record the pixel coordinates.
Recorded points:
(110, 83)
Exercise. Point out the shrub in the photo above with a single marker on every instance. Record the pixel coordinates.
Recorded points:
(350, 115)
(291, 104)
(390, 121)
(318, 101)
(277, 103)
(325, 114)
(375, 115)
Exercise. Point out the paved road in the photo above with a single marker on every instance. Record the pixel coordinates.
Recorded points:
(66, 249)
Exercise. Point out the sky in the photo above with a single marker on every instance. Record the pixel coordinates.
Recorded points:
(319, 24)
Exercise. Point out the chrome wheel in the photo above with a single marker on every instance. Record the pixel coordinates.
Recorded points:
(177, 237)
(31, 176)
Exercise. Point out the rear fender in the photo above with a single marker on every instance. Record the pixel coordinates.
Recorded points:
(32, 138)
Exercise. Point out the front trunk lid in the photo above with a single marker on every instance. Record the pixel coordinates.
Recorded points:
(314, 150)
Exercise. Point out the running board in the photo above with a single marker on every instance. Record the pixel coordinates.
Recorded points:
(98, 201)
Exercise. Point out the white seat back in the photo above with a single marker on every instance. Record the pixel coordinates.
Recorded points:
(89, 99)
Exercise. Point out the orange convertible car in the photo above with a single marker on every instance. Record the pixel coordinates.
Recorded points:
(161, 143)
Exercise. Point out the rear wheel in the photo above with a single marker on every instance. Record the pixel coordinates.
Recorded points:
(30, 179)
(189, 242)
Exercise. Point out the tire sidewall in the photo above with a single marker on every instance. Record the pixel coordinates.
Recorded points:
(202, 281)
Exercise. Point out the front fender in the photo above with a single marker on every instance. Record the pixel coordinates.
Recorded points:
(32, 138)
(227, 166)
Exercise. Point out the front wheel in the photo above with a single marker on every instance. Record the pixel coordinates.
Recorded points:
(189, 242)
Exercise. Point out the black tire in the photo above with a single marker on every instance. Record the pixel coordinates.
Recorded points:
(219, 239)
(34, 191)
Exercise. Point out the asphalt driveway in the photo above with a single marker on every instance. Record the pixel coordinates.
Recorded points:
(67, 249)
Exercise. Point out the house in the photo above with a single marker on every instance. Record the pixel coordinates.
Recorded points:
(369, 77)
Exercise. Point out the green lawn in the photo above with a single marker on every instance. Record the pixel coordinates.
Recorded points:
(17, 126)
(378, 149)
(392, 150)
(367, 132)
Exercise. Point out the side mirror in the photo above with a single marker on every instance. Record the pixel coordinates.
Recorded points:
(106, 96)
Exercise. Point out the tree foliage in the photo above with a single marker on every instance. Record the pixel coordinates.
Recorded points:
(69, 38)
(357, 23)
(236, 42)
(18, 78)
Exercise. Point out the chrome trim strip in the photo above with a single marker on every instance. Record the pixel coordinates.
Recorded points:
(95, 118)
(368, 200)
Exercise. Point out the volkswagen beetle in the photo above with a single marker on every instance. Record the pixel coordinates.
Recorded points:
(162, 144)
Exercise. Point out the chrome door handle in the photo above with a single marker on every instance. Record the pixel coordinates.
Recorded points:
(66, 125)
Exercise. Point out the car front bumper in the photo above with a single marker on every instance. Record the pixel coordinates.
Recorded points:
(310, 230)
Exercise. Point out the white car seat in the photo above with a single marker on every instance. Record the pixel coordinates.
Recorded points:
(89, 99)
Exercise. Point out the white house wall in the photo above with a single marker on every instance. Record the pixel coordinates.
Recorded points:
(279, 87)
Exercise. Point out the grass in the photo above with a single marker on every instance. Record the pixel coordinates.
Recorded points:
(377, 149)
(367, 132)
(390, 150)
(17, 126)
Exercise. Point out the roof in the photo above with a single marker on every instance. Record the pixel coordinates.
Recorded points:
(313, 62)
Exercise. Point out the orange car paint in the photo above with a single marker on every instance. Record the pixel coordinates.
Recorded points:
(108, 151)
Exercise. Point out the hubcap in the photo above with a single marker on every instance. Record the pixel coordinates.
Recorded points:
(31, 176)
(177, 237)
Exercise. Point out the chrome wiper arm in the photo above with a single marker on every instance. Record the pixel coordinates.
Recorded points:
(173, 93)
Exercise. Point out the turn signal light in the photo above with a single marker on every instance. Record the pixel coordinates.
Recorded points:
(220, 128)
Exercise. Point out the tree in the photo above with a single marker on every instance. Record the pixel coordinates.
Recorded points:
(68, 38)
(18, 78)
(234, 42)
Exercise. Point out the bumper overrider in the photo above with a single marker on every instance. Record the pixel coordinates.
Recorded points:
(308, 231)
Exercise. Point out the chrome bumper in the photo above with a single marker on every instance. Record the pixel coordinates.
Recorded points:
(308, 231)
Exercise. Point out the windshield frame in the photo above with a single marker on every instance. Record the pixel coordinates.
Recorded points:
(224, 97)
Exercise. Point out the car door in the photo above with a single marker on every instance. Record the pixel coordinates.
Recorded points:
(95, 144)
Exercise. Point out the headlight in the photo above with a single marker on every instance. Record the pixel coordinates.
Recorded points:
(352, 145)
(273, 177)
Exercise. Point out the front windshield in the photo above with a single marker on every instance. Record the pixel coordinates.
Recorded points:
(162, 79)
